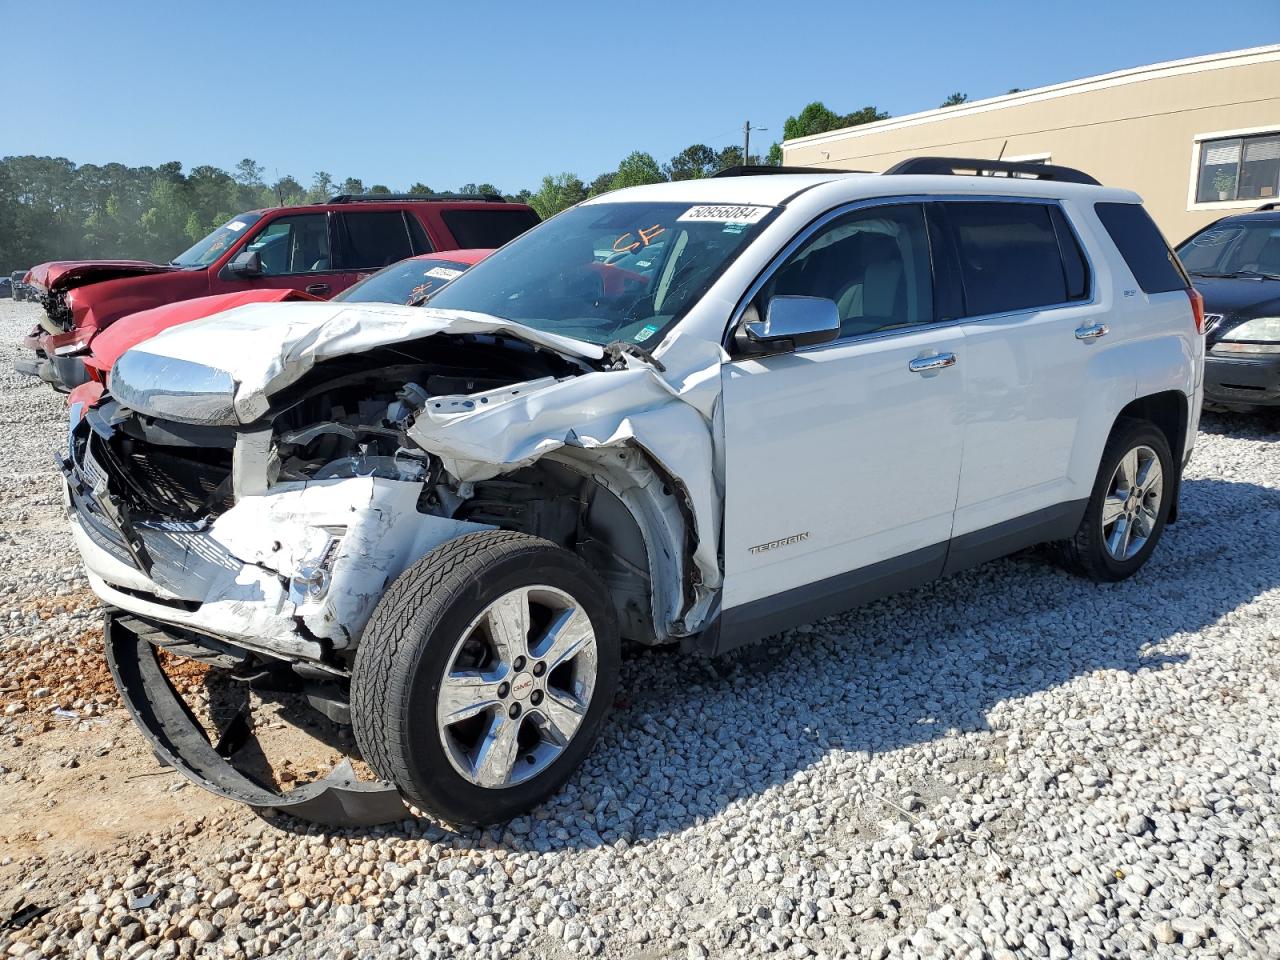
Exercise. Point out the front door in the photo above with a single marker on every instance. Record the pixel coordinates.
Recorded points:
(842, 460)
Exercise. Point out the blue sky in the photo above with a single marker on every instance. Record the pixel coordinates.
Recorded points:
(506, 92)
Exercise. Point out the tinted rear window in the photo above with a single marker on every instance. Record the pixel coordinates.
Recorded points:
(1010, 257)
(488, 228)
(376, 239)
(1139, 241)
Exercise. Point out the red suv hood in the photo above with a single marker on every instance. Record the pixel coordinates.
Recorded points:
(64, 274)
(132, 330)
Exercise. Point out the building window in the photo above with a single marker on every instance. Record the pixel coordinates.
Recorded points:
(1239, 168)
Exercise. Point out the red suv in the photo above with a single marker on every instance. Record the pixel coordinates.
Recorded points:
(321, 249)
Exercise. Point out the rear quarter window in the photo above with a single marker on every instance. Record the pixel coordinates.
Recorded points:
(487, 228)
(1143, 247)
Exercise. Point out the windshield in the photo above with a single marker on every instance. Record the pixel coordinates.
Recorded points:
(409, 281)
(1243, 248)
(608, 271)
(204, 252)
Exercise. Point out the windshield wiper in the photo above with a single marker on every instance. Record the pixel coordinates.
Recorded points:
(1215, 276)
(1256, 273)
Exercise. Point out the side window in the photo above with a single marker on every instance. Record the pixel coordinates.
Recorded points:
(1075, 269)
(873, 263)
(296, 244)
(1141, 244)
(375, 239)
(418, 238)
(491, 227)
(1010, 257)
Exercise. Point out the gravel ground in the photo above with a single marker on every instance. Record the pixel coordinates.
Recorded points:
(1011, 762)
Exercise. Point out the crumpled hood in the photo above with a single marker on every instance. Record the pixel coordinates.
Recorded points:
(224, 368)
(58, 275)
(132, 330)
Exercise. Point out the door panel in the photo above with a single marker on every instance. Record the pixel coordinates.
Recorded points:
(1027, 382)
(1030, 376)
(836, 458)
(297, 252)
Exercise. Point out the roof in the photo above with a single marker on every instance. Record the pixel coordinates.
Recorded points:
(770, 191)
(826, 187)
(1191, 65)
(470, 257)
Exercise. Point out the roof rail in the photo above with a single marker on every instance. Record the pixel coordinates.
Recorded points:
(414, 197)
(968, 166)
(763, 170)
(1273, 205)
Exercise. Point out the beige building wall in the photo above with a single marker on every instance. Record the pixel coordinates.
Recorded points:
(1139, 129)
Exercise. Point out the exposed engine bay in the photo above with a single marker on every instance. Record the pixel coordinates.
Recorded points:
(262, 545)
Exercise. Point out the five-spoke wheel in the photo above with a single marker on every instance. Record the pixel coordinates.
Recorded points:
(484, 675)
(518, 686)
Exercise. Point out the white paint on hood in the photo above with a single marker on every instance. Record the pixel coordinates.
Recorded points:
(267, 346)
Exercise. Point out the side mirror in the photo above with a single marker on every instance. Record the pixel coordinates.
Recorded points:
(246, 264)
(793, 322)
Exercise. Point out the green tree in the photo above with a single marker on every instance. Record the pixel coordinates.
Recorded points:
(420, 189)
(602, 184)
(322, 186)
(691, 163)
(729, 157)
(954, 100)
(636, 170)
(287, 191)
(557, 193)
(353, 186)
(379, 188)
(249, 173)
(817, 118)
(774, 158)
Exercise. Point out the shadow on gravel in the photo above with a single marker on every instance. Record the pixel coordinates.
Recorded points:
(689, 737)
(1260, 424)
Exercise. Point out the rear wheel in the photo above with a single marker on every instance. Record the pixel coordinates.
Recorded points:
(1129, 506)
(484, 675)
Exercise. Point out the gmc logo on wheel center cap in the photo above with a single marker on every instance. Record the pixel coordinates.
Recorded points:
(522, 686)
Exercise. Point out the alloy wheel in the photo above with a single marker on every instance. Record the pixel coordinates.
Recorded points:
(517, 686)
(1132, 503)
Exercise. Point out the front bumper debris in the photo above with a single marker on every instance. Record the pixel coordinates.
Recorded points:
(338, 800)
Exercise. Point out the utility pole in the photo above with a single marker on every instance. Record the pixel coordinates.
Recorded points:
(746, 139)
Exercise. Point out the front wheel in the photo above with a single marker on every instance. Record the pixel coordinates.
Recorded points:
(1129, 506)
(484, 676)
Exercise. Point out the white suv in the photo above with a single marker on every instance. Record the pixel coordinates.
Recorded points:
(697, 413)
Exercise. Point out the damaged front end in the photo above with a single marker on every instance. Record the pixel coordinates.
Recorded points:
(265, 528)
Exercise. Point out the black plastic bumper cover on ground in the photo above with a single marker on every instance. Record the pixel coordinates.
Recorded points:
(338, 800)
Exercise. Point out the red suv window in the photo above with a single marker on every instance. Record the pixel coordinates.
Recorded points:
(375, 239)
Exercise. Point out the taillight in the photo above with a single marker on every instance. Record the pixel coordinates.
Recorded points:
(1197, 307)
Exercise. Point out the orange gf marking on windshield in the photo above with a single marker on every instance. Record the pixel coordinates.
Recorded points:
(646, 237)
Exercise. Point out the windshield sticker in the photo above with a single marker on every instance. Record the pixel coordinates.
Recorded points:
(724, 213)
(236, 225)
(443, 273)
(734, 228)
(646, 332)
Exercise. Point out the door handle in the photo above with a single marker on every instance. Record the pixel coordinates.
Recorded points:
(316, 289)
(939, 361)
(1092, 332)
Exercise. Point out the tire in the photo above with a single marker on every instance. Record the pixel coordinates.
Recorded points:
(445, 617)
(1099, 550)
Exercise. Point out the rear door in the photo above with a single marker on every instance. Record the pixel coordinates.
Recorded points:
(1040, 377)
(370, 239)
